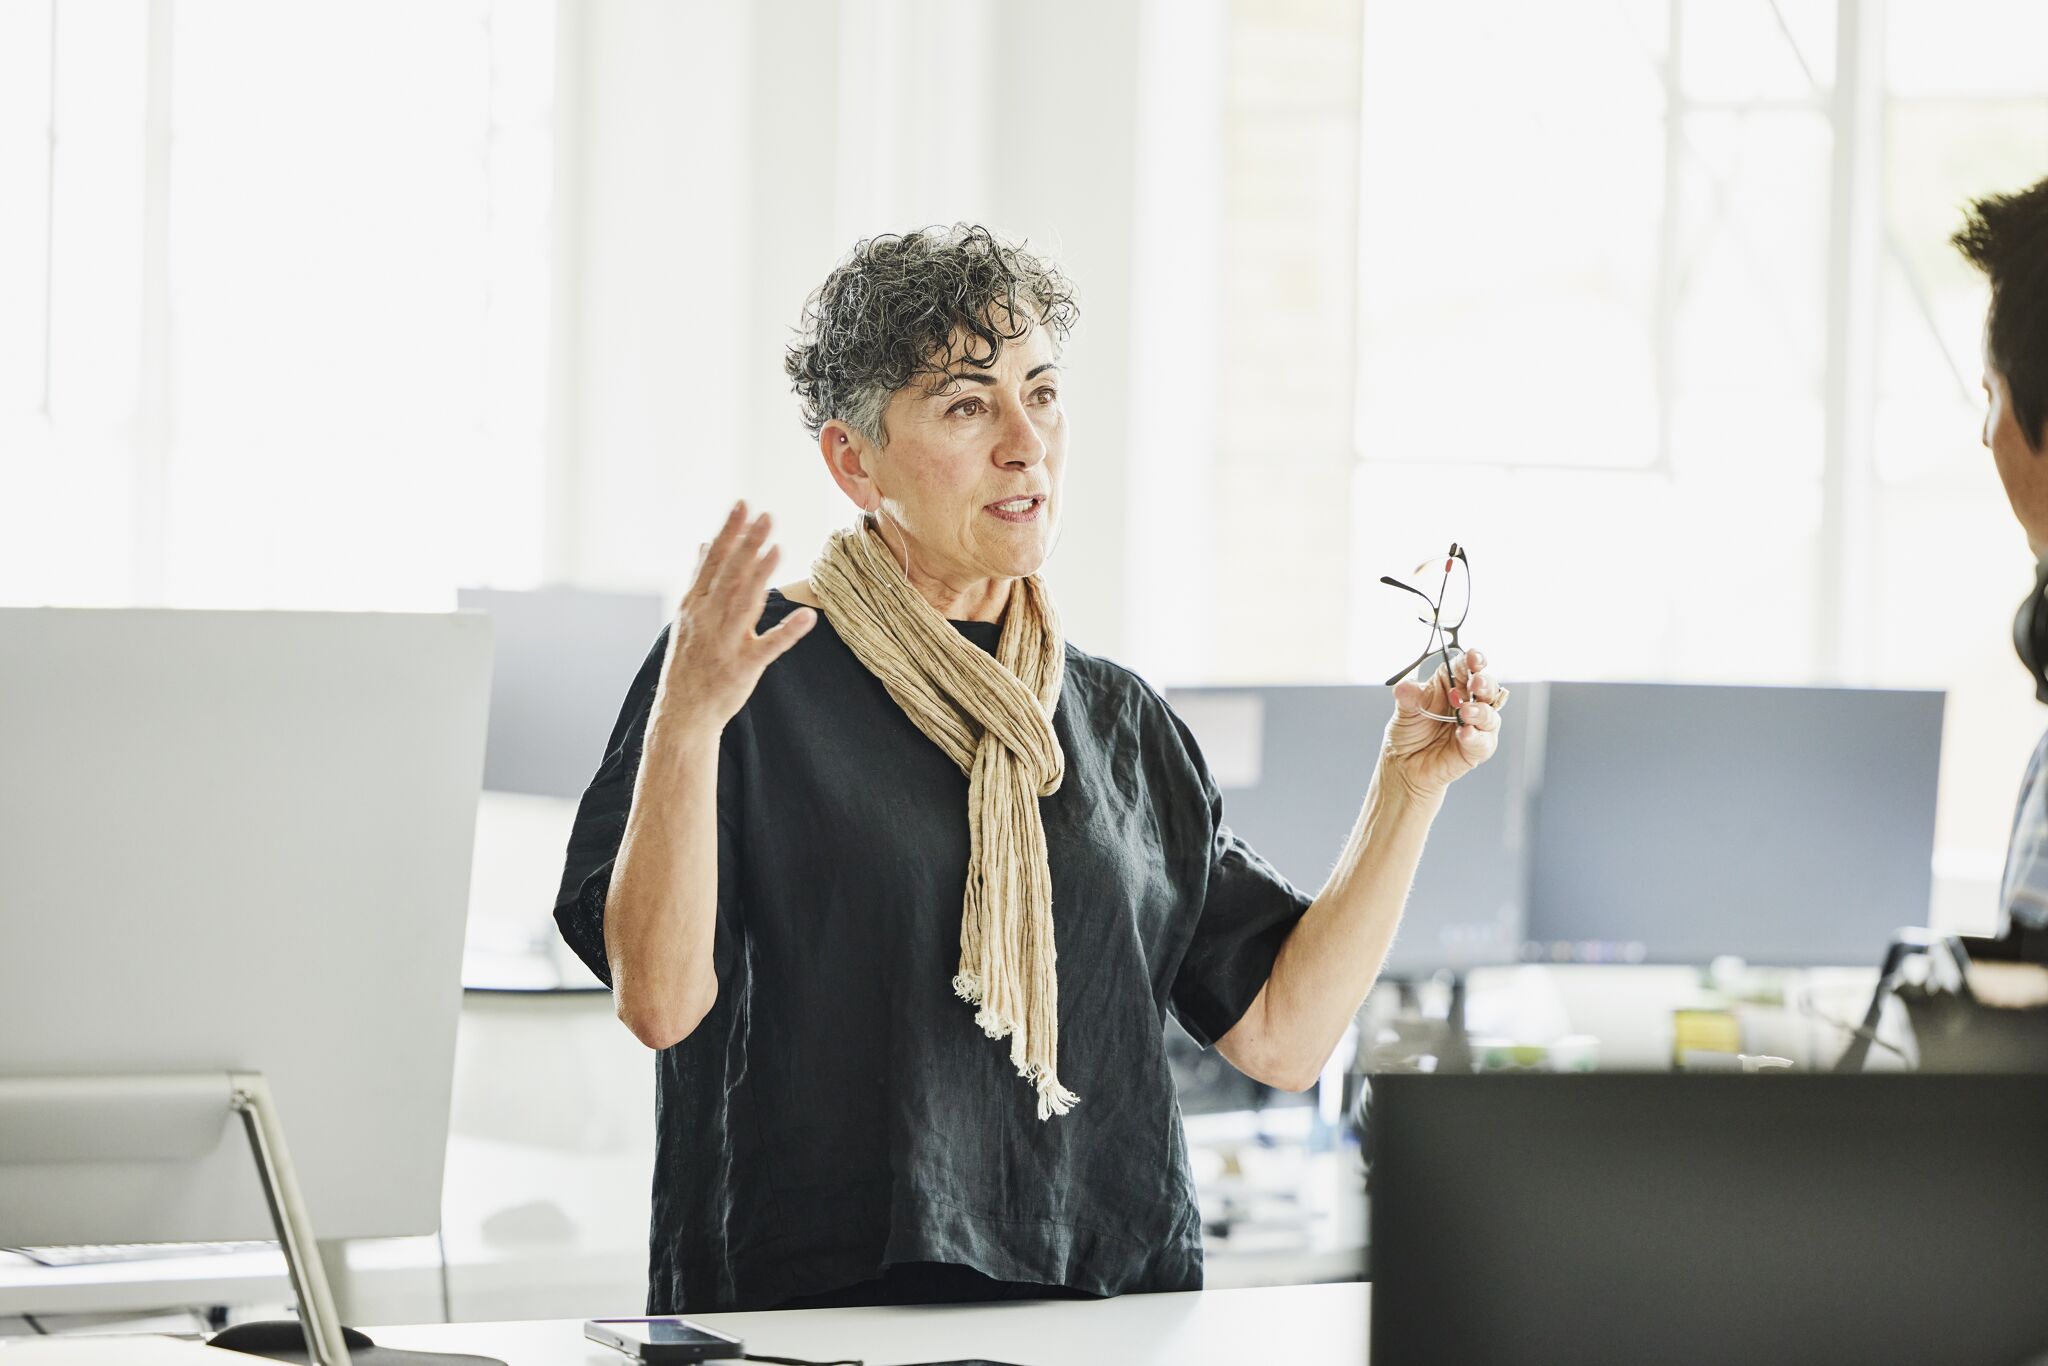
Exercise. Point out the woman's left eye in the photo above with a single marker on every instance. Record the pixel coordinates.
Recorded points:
(1048, 395)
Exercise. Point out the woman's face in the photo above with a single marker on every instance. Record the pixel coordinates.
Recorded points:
(971, 472)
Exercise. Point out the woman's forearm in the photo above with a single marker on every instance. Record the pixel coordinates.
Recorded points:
(1334, 953)
(661, 912)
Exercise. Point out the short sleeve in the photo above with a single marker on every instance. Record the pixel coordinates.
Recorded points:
(600, 829)
(2024, 889)
(1247, 910)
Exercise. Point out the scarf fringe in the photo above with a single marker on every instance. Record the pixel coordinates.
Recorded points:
(1053, 1098)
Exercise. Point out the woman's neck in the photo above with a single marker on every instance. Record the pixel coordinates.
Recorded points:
(973, 599)
(967, 600)
(948, 603)
(980, 601)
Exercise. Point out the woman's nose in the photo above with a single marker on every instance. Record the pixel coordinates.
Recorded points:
(1018, 444)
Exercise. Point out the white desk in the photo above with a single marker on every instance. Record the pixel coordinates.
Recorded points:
(1323, 1324)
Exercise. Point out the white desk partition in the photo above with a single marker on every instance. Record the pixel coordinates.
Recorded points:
(237, 841)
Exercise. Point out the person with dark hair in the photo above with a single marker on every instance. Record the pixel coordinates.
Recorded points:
(2006, 237)
(901, 884)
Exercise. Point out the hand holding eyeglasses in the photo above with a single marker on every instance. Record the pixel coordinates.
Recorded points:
(1445, 723)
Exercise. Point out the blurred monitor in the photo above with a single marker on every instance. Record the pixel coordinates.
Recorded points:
(1680, 1219)
(555, 689)
(1207, 1083)
(1293, 763)
(235, 841)
(1674, 823)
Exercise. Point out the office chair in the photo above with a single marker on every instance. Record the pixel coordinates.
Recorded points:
(1956, 1031)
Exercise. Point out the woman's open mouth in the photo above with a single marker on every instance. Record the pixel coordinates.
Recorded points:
(1017, 509)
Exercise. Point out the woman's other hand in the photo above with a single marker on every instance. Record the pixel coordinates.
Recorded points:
(1424, 755)
(715, 658)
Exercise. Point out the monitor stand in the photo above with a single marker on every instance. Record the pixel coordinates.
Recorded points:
(318, 1336)
(44, 1116)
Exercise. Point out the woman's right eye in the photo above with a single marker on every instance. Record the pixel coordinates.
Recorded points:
(966, 407)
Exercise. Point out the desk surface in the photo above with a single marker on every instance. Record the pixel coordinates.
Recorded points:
(1324, 1324)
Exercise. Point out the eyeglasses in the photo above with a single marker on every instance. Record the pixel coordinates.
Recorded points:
(1447, 612)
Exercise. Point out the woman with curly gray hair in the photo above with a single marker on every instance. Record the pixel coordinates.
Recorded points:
(901, 885)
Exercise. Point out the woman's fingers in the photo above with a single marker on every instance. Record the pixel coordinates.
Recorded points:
(723, 542)
(1476, 683)
(755, 591)
(728, 549)
(1479, 716)
(777, 638)
(734, 576)
(715, 658)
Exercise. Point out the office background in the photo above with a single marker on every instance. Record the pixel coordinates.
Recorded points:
(1647, 303)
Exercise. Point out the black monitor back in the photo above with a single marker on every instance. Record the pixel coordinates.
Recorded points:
(1713, 1219)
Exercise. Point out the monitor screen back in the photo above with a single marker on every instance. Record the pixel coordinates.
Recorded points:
(239, 841)
(563, 656)
(1676, 823)
(1293, 764)
(1626, 1218)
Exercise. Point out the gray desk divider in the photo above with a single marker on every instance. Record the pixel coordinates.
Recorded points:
(1294, 762)
(1673, 822)
(1620, 822)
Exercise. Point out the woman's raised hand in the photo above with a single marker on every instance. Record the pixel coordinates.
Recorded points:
(1426, 755)
(714, 655)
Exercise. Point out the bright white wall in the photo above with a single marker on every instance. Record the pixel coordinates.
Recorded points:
(725, 156)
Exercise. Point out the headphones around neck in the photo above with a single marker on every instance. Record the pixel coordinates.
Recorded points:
(2030, 632)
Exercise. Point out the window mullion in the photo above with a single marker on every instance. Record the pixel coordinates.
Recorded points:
(1843, 607)
(153, 414)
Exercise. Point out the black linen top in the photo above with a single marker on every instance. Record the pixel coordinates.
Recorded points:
(838, 1110)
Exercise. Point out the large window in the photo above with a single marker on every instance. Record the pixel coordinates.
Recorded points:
(273, 300)
(1658, 315)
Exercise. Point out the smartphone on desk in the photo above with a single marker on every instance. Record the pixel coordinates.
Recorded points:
(663, 1339)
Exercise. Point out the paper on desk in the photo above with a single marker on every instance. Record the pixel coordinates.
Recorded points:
(2009, 986)
(1230, 727)
(115, 1349)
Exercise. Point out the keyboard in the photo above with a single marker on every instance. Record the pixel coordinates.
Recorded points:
(99, 1254)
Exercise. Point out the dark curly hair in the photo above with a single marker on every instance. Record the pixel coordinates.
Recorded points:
(2006, 237)
(904, 308)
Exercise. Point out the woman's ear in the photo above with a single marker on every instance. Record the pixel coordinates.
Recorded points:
(847, 456)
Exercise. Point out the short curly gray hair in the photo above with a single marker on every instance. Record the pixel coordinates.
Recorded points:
(901, 308)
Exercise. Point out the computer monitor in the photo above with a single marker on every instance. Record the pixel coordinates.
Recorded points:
(1293, 763)
(1633, 1217)
(559, 656)
(555, 688)
(1675, 823)
(239, 841)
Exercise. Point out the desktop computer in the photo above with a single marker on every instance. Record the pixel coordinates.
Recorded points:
(235, 866)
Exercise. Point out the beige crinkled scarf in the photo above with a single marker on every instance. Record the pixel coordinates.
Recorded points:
(992, 717)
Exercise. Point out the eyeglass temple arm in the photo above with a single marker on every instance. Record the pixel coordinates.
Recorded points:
(1409, 587)
(1434, 649)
